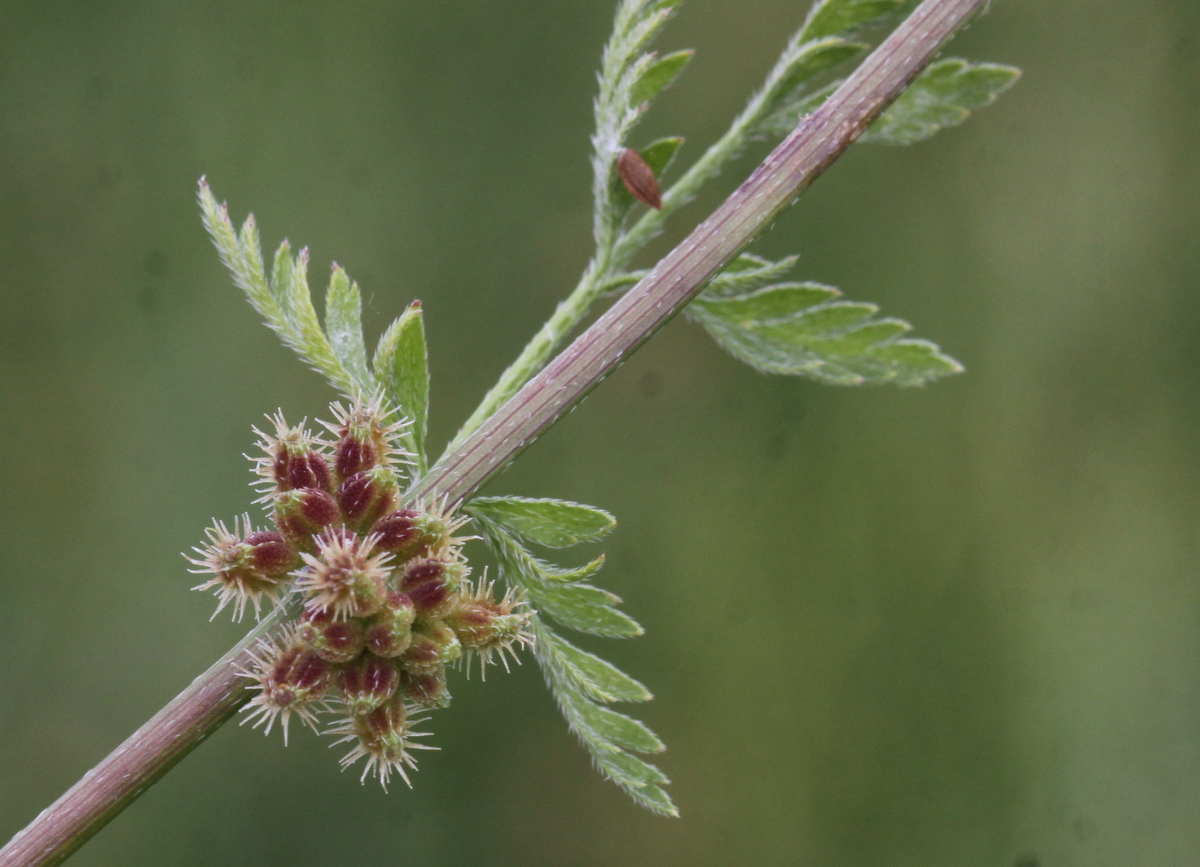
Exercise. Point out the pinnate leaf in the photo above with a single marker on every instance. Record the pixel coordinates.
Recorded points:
(943, 95)
(801, 329)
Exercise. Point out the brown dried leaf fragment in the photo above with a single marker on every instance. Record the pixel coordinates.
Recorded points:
(639, 178)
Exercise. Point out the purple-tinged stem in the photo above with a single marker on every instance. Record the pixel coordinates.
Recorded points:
(820, 139)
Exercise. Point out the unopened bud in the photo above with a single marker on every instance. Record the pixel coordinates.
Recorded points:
(389, 631)
(337, 641)
(365, 496)
(434, 646)
(429, 581)
(368, 682)
(409, 532)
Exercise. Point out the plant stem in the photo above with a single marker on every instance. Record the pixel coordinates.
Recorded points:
(214, 696)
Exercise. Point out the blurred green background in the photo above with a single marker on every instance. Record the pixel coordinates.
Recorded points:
(957, 625)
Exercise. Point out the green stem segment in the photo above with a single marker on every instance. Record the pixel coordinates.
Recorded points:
(216, 694)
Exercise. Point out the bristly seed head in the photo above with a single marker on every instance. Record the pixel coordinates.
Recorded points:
(246, 566)
(387, 604)
(365, 437)
(344, 577)
(385, 737)
(291, 678)
(488, 628)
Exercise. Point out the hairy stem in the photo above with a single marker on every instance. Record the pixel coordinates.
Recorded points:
(214, 696)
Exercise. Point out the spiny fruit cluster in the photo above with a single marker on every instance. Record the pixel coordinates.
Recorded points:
(388, 603)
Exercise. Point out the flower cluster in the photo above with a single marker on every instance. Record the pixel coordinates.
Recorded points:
(388, 600)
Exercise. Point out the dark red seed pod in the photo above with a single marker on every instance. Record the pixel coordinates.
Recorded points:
(365, 496)
(409, 532)
(354, 455)
(639, 178)
(299, 674)
(429, 581)
(368, 682)
(272, 554)
(301, 513)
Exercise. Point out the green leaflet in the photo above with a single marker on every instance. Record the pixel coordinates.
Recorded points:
(584, 608)
(772, 302)
(591, 675)
(816, 57)
(800, 329)
(402, 370)
(557, 592)
(660, 75)
(343, 325)
(553, 523)
(943, 95)
(838, 16)
(746, 273)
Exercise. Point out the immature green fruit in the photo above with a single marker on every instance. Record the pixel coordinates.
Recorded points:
(337, 641)
(368, 682)
(426, 690)
(389, 631)
(434, 646)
